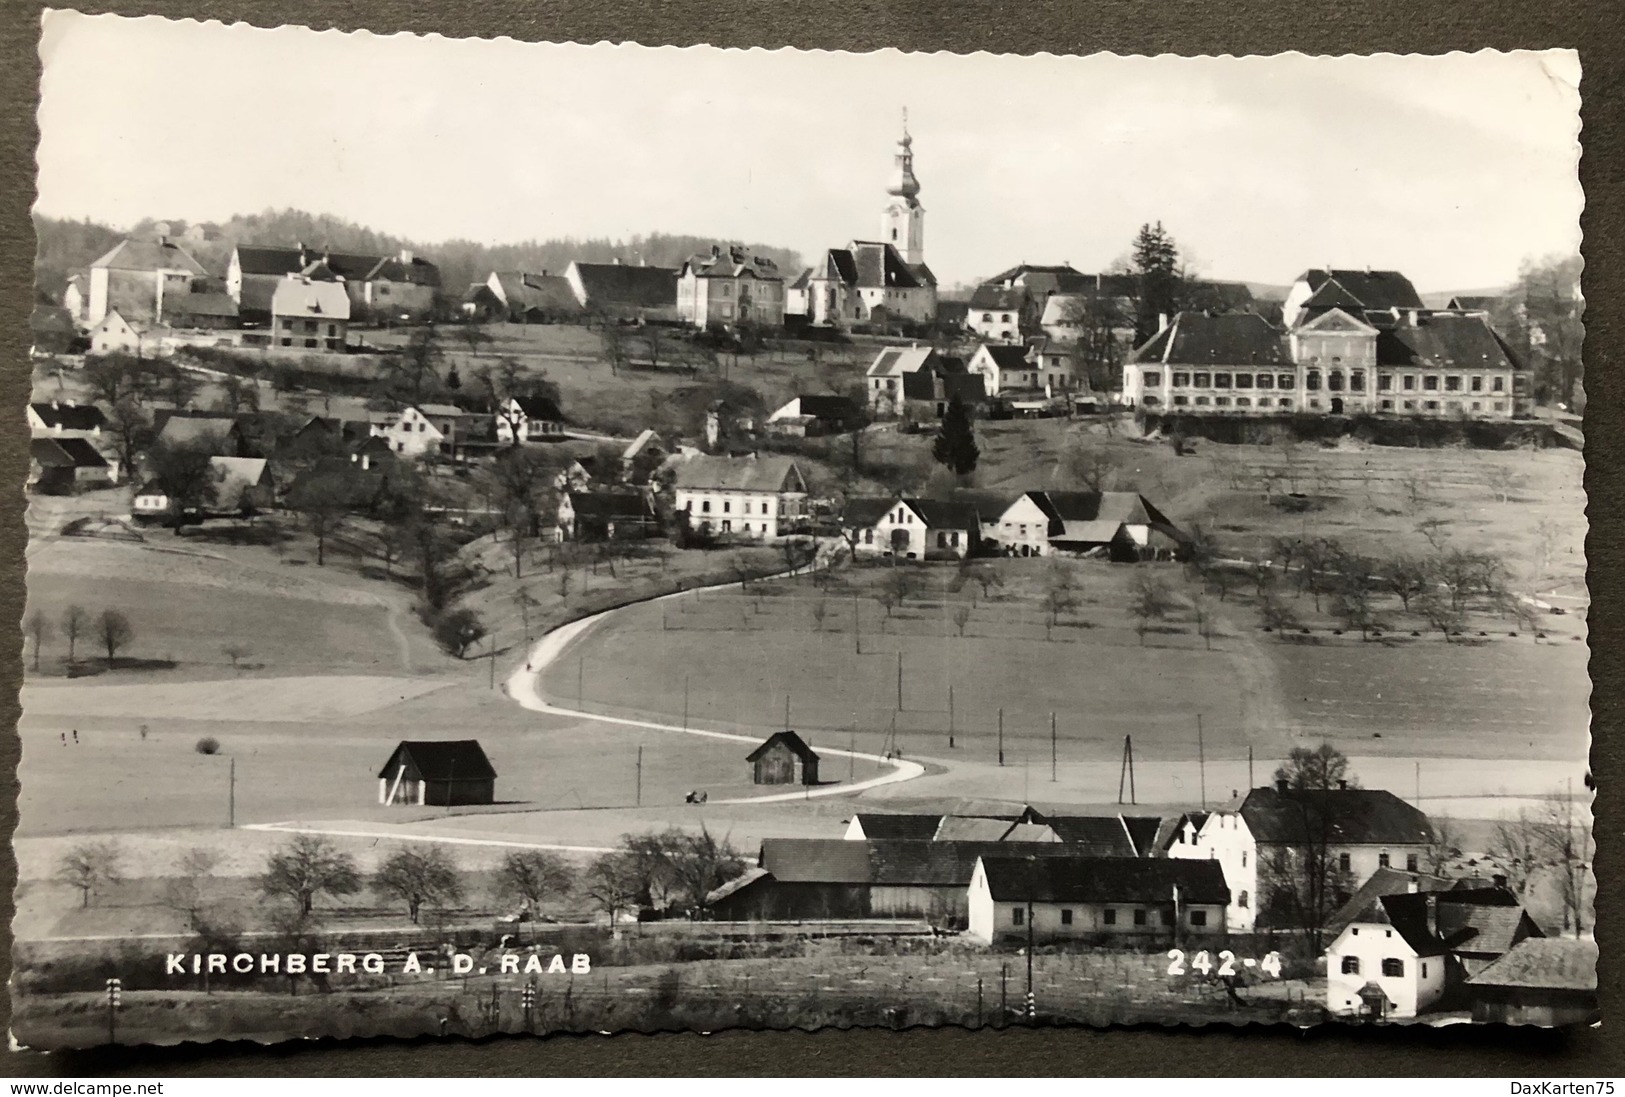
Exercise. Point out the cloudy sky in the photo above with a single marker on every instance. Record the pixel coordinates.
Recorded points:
(1451, 168)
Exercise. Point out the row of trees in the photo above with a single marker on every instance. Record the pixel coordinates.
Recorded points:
(110, 629)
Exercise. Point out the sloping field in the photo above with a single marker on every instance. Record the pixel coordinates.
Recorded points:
(302, 700)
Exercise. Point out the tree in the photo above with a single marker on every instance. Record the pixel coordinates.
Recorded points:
(614, 882)
(1444, 848)
(955, 445)
(1097, 347)
(961, 617)
(186, 892)
(1090, 464)
(324, 500)
(1060, 597)
(90, 866)
(308, 866)
(416, 366)
(1301, 880)
(899, 584)
(130, 427)
(458, 630)
(185, 473)
(1277, 614)
(1156, 267)
(1541, 318)
(820, 610)
(985, 576)
(1405, 577)
(39, 629)
(1322, 767)
(113, 631)
(523, 478)
(1149, 601)
(1202, 614)
(418, 876)
(533, 876)
(74, 623)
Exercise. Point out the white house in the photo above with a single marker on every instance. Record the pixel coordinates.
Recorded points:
(1389, 962)
(918, 529)
(1224, 837)
(65, 419)
(730, 287)
(530, 418)
(1004, 368)
(1123, 524)
(426, 429)
(1148, 900)
(309, 314)
(754, 497)
(114, 333)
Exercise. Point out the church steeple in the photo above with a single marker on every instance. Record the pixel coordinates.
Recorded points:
(903, 222)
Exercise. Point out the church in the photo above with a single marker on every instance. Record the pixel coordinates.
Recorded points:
(875, 281)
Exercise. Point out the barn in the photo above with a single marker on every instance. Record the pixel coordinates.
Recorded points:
(784, 758)
(1539, 981)
(440, 772)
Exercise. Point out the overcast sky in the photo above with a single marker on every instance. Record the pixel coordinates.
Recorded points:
(1451, 168)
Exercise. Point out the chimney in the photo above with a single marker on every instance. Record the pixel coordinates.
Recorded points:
(1411, 887)
(1342, 784)
(406, 257)
(617, 260)
(1415, 315)
(1162, 321)
(1499, 880)
(1280, 785)
(716, 252)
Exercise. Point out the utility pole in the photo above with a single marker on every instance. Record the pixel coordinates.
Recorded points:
(787, 710)
(1249, 765)
(1001, 737)
(899, 681)
(852, 752)
(231, 795)
(115, 992)
(493, 684)
(1418, 785)
(950, 717)
(857, 627)
(1052, 754)
(1127, 770)
(639, 800)
(685, 702)
(1032, 1009)
(1201, 760)
(581, 673)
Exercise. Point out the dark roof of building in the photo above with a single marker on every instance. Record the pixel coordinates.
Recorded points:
(1064, 270)
(1485, 923)
(440, 760)
(945, 514)
(1544, 963)
(628, 286)
(1354, 816)
(54, 413)
(1095, 835)
(731, 262)
(415, 271)
(834, 409)
(546, 293)
(790, 739)
(1007, 355)
(1075, 879)
(147, 255)
(200, 304)
(916, 828)
(65, 453)
(50, 319)
(887, 861)
(1373, 289)
(863, 511)
(1217, 295)
(881, 265)
(277, 261)
(1228, 339)
(767, 473)
(539, 407)
(971, 388)
(998, 297)
(1475, 302)
(1444, 340)
(1407, 915)
(1385, 881)
(1124, 507)
(1142, 830)
(610, 504)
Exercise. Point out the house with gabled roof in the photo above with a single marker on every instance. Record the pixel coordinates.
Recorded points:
(1145, 900)
(755, 497)
(919, 382)
(65, 419)
(1123, 525)
(115, 334)
(605, 516)
(784, 758)
(1319, 290)
(1539, 981)
(61, 466)
(531, 297)
(1004, 368)
(911, 527)
(810, 416)
(730, 287)
(532, 418)
(439, 772)
(423, 430)
(877, 826)
(309, 314)
(135, 276)
(624, 290)
(398, 286)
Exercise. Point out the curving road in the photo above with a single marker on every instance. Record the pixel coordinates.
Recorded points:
(524, 686)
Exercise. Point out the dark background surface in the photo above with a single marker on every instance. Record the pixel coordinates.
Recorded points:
(1122, 26)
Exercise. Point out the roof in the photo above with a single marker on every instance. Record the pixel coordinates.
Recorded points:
(1228, 339)
(738, 883)
(1096, 516)
(731, 262)
(1022, 270)
(191, 430)
(1142, 830)
(628, 286)
(610, 504)
(826, 407)
(1096, 835)
(1005, 355)
(56, 414)
(301, 297)
(444, 411)
(1544, 963)
(539, 407)
(919, 828)
(1487, 928)
(870, 264)
(768, 473)
(1444, 339)
(790, 739)
(270, 260)
(1407, 915)
(1473, 302)
(897, 863)
(147, 255)
(1385, 881)
(1354, 816)
(545, 292)
(1075, 879)
(65, 453)
(441, 760)
(1373, 289)
(200, 304)
(232, 475)
(945, 514)
(957, 828)
(971, 388)
(646, 437)
(998, 297)
(863, 511)
(897, 361)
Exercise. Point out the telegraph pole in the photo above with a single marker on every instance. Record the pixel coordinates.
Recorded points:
(493, 684)
(685, 702)
(950, 717)
(787, 710)
(1201, 759)
(857, 627)
(115, 991)
(1127, 770)
(1001, 737)
(1032, 1009)
(1249, 765)
(231, 795)
(581, 673)
(1052, 753)
(639, 801)
(899, 681)
(852, 752)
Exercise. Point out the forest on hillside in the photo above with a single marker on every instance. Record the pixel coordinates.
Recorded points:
(66, 246)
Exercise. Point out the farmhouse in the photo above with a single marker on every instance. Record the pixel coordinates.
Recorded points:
(65, 419)
(423, 430)
(398, 286)
(624, 291)
(810, 416)
(525, 297)
(1122, 899)
(870, 826)
(440, 772)
(755, 497)
(311, 315)
(61, 466)
(730, 287)
(605, 516)
(136, 276)
(529, 419)
(113, 334)
(1004, 368)
(201, 311)
(1539, 981)
(221, 435)
(1357, 831)
(834, 878)
(784, 758)
(1124, 525)
(919, 382)
(918, 529)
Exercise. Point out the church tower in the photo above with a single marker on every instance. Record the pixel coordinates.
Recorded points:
(902, 225)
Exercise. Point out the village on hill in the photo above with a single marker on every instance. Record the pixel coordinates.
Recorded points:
(820, 625)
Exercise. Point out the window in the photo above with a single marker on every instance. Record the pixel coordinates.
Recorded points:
(1357, 380)
(1202, 401)
(1285, 403)
(1410, 405)
(310, 342)
(1334, 381)
(1221, 401)
(1139, 917)
(1431, 405)
(1181, 380)
(705, 507)
(1311, 380)
(1221, 380)
(1265, 380)
(1410, 382)
(1018, 916)
(1500, 405)
(1452, 383)
(1244, 402)
(1286, 381)
(1242, 900)
(1387, 405)
(1424, 971)
(1202, 381)
(727, 506)
(1351, 965)
(1181, 401)
(1150, 401)
(1243, 858)
(1382, 859)
(1430, 383)
(1478, 384)
(1393, 969)
(1385, 382)
(988, 316)
(868, 536)
(1066, 917)
(1109, 917)
(1244, 380)
(1198, 917)
(1499, 384)
(1005, 319)
(1153, 377)
(942, 539)
(1342, 862)
(1410, 862)
(764, 508)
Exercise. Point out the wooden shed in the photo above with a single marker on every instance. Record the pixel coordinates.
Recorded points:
(441, 772)
(784, 758)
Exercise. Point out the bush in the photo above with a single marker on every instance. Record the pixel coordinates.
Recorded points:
(458, 630)
(208, 745)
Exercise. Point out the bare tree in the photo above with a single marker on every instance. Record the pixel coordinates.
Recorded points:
(820, 610)
(1322, 767)
(39, 629)
(1518, 844)
(418, 876)
(90, 866)
(1149, 602)
(187, 892)
(114, 632)
(1405, 577)
(1276, 613)
(961, 617)
(533, 876)
(1090, 464)
(1060, 597)
(1445, 847)
(308, 866)
(1202, 613)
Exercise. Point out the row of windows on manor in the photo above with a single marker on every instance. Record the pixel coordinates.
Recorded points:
(1430, 382)
(1108, 917)
(768, 290)
(727, 506)
(1285, 402)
